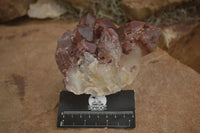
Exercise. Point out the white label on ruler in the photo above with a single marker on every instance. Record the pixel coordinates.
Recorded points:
(97, 103)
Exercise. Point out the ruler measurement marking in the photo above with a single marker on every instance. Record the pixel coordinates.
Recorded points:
(107, 114)
(95, 125)
(61, 123)
(97, 112)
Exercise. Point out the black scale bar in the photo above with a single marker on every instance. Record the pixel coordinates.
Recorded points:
(74, 113)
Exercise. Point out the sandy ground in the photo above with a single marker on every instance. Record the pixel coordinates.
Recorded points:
(167, 92)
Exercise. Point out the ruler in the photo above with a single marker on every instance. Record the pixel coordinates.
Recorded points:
(84, 111)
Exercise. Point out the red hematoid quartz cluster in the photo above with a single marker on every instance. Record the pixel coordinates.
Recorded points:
(98, 58)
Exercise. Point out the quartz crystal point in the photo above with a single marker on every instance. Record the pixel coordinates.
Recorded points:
(98, 58)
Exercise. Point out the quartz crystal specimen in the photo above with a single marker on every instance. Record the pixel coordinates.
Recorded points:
(98, 58)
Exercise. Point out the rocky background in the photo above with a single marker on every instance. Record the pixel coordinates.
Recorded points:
(179, 19)
(167, 87)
